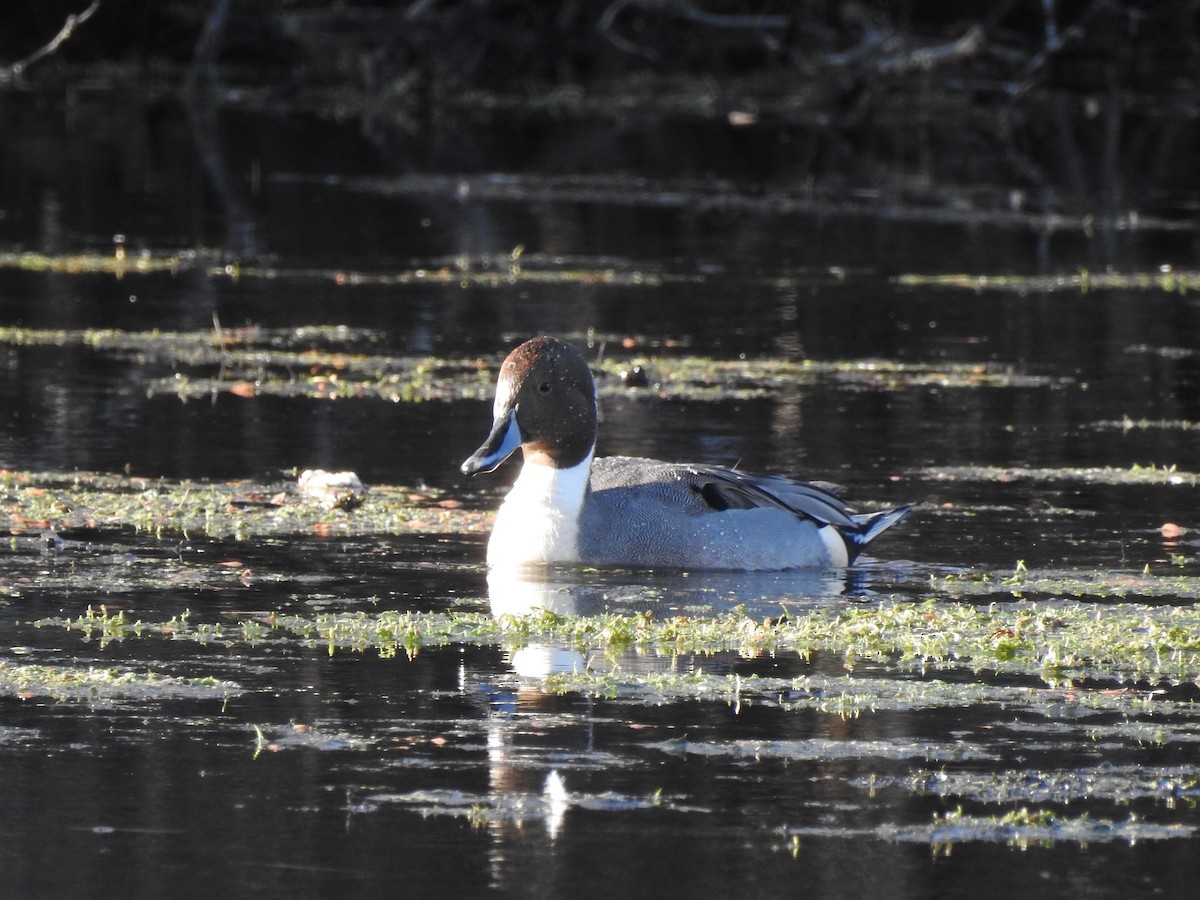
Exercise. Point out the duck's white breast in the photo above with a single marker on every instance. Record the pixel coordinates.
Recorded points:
(539, 519)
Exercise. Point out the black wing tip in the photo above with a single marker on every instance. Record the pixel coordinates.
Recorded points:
(872, 525)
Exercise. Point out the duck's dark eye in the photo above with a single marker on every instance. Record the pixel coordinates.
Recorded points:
(544, 387)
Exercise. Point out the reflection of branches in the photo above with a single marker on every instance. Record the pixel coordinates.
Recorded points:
(881, 50)
(809, 47)
(687, 13)
(209, 44)
(203, 107)
(1056, 38)
(73, 21)
(928, 57)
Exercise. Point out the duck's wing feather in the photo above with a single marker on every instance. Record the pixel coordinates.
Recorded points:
(724, 488)
(703, 488)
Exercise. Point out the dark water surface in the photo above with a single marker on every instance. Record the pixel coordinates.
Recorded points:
(455, 773)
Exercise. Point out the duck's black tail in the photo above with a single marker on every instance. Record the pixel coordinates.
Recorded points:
(870, 526)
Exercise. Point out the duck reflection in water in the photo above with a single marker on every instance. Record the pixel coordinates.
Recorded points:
(563, 591)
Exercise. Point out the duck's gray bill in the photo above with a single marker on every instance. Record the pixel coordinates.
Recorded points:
(499, 446)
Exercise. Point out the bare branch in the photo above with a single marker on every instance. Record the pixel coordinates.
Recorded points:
(73, 21)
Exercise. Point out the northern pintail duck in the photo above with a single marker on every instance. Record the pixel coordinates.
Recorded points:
(569, 507)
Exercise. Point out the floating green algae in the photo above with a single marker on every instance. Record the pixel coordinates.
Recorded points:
(1130, 424)
(118, 263)
(1157, 724)
(851, 696)
(488, 270)
(1108, 475)
(694, 378)
(1052, 640)
(1020, 828)
(335, 362)
(521, 267)
(320, 362)
(548, 807)
(111, 684)
(826, 749)
(1063, 582)
(1165, 280)
(105, 536)
(36, 502)
(1168, 785)
(700, 377)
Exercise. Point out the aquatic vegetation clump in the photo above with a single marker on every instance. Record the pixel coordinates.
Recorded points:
(1020, 828)
(1108, 475)
(107, 684)
(1168, 280)
(1055, 641)
(1064, 583)
(828, 748)
(1023, 827)
(1167, 785)
(548, 807)
(38, 503)
(337, 363)
(855, 695)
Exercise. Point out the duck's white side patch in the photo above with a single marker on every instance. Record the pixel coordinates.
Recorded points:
(539, 519)
(835, 545)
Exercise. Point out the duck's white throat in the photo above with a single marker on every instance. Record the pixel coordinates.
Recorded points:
(539, 519)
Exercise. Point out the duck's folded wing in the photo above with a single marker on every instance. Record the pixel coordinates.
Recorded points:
(700, 489)
(723, 488)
